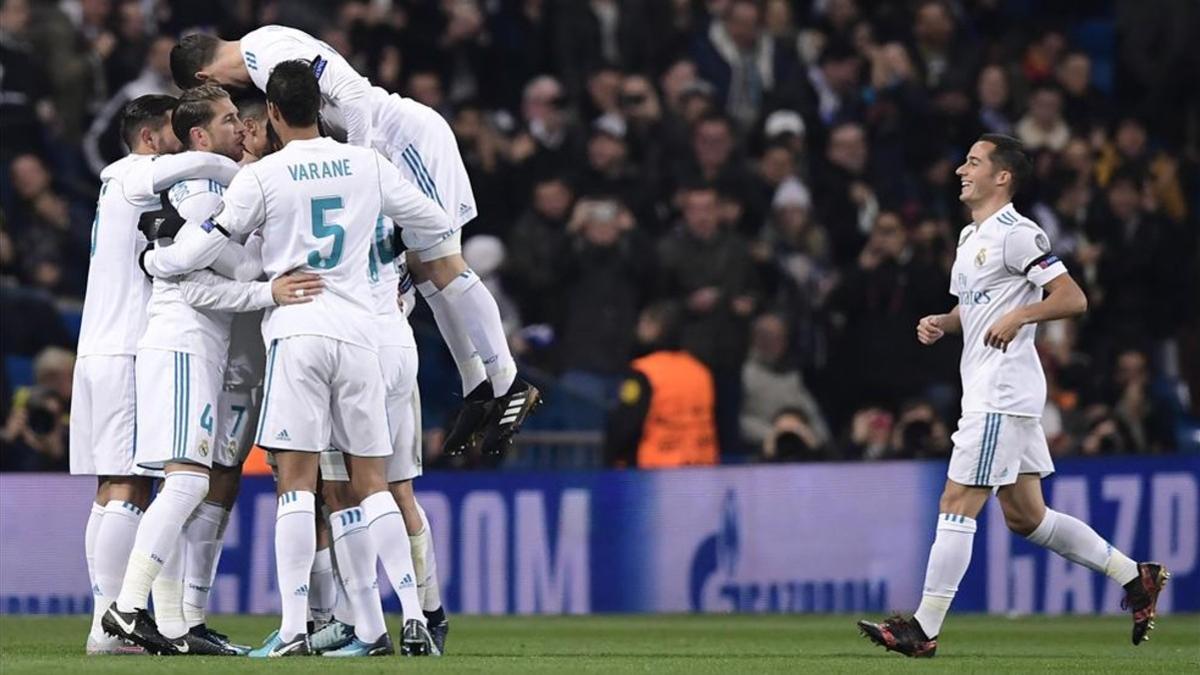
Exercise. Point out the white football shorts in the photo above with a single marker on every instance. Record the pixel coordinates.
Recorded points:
(177, 413)
(319, 393)
(431, 162)
(399, 366)
(103, 415)
(237, 418)
(992, 449)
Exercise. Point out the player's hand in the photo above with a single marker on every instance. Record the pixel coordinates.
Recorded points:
(929, 329)
(296, 288)
(1004, 330)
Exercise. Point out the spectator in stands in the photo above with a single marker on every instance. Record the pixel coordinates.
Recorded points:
(606, 275)
(707, 269)
(1130, 149)
(35, 435)
(1044, 126)
(848, 204)
(792, 439)
(1084, 106)
(995, 100)
(1142, 417)
(874, 311)
(537, 246)
(920, 433)
(773, 384)
(749, 69)
(588, 35)
(665, 409)
(102, 144)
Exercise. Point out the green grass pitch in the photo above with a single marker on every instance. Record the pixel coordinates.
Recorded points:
(656, 644)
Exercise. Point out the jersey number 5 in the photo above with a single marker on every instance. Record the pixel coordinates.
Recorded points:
(322, 229)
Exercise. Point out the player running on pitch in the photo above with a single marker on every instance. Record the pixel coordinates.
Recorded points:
(1007, 281)
(418, 141)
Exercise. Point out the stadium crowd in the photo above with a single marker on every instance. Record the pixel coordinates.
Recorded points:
(782, 171)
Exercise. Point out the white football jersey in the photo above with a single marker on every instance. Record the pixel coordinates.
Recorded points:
(1001, 264)
(316, 203)
(349, 101)
(388, 276)
(174, 324)
(114, 306)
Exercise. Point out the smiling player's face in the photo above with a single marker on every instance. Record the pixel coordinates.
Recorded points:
(978, 176)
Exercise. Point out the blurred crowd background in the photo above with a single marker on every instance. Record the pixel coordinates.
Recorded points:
(782, 171)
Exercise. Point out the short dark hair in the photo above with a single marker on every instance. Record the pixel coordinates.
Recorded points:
(144, 111)
(194, 53)
(251, 105)
(293, 89)
(195, 110)
(1009, 155)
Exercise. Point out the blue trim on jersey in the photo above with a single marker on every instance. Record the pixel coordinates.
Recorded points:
(262, 413)
(413, 159)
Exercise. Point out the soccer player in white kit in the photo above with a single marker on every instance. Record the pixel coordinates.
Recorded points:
(1007, 280)
(114, 316)
(186, 336)
(422, 145)
(393, 298)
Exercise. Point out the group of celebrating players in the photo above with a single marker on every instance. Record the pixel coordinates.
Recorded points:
(317, 364)
(269, 269)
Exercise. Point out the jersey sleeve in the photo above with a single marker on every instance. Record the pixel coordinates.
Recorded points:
(167, 170)
(244, 208)
(208, 290)
(404, 203)
(1027, 253)
(195, 247)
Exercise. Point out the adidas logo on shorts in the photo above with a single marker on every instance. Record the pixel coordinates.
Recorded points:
(283, 436)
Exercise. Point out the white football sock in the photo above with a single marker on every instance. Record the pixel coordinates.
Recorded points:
(203, 535)
(1074, 540)
(114, 541)
(948, 561)
(425, 565)
(343, 610)
(159, 534)
(477, 312)
(466, 357)
(89, 552)
(386, 526)
(295, 547)
(168, 593)
(356, 558)
(322, 593)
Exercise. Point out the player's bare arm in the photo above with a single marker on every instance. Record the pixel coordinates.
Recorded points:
(1064, 299)
(932, 328)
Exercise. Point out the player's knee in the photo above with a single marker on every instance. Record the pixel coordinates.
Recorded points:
(366, 483)
(337, 495)
(188, 488)
(1021, 521)
(224, 485)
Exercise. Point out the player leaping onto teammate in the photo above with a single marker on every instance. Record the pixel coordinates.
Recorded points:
(1003, 266)
(422, 145)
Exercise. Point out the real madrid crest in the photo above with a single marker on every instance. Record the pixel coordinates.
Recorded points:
(203, 448)
(981, 257)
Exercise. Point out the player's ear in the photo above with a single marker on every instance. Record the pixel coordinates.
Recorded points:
(203, 76)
